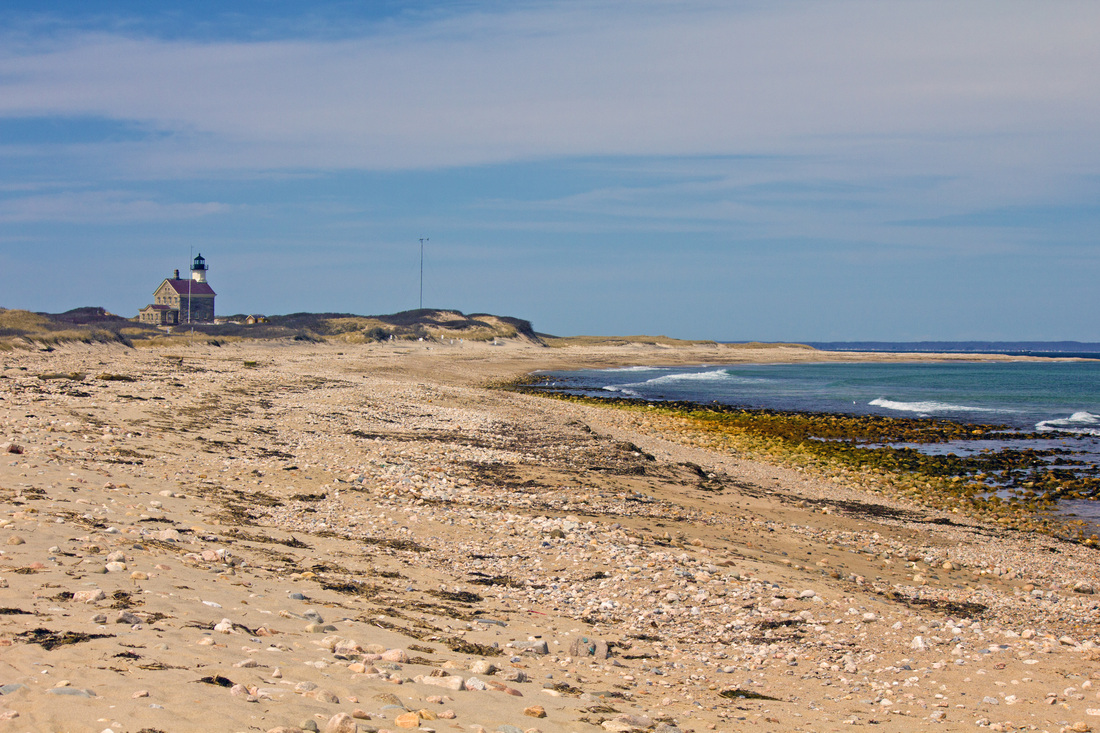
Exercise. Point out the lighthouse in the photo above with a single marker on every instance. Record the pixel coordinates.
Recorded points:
(198, 269)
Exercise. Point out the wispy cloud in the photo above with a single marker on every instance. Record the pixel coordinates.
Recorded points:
(100, 207)
(572, 79)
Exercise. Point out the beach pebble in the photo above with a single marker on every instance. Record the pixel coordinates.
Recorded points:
(89, 596)
(447, 682)
(407, 720)
(535, 711)
(115, 567)
(322, 695)
(535, 647)
(70, 691)
(505, 688)
(341, 723)
(483, 666)
(239, 690)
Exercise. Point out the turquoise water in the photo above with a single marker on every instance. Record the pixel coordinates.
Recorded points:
(1028, 396)
(1046, 404)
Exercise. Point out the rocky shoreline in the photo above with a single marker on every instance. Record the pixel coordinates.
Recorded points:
(366, 538)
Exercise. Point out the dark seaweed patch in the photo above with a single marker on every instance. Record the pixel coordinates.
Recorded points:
(52, 639)
(351, 588)
(739, 694)
(462, 646)
(463, 596)
(217, 680)
(566, 689)
(490, 580)
(950, 608)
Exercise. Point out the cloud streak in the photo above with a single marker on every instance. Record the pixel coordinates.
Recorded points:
(603, 79)
(100, 207)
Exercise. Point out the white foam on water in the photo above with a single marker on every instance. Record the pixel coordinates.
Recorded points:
(1083, 423)
(926, 407)
(717, 375)
(635, 369)
(621, 388)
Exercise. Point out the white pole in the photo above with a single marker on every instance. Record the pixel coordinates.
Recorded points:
(422, 240)
(190, 279)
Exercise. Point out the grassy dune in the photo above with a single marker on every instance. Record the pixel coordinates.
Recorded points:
(27, 330)
(24, 329)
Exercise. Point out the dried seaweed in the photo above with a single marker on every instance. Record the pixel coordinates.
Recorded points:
(217, 680)
(468, 647)
(463, 596)
(49, 640)
(739, 694)
(960, 609)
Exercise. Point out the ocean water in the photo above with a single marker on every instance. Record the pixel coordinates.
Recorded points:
(1042, 396)
(1050, 404)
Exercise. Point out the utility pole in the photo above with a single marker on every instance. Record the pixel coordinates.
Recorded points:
(422, 240)
(191, 256)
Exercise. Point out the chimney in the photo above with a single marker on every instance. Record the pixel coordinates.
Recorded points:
(176, 276)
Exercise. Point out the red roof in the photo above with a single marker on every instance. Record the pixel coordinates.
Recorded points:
(156, 307)
(196, 288)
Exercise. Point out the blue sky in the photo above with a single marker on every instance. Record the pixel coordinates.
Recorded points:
(777, 170)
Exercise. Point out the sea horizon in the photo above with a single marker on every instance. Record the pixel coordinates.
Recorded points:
(1049, 349)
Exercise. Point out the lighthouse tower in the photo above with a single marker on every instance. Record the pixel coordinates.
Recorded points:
(198, 269)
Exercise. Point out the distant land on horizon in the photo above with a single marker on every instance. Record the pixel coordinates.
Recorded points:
(1022, 348)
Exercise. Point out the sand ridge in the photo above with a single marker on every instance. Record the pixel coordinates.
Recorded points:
(265, 536)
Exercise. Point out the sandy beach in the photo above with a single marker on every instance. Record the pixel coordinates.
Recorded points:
(334, 537)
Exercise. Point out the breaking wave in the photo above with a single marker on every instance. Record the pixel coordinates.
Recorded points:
(1083, 423)
(621, 389)
(632, 369)
(717, 375)
(927, 407)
